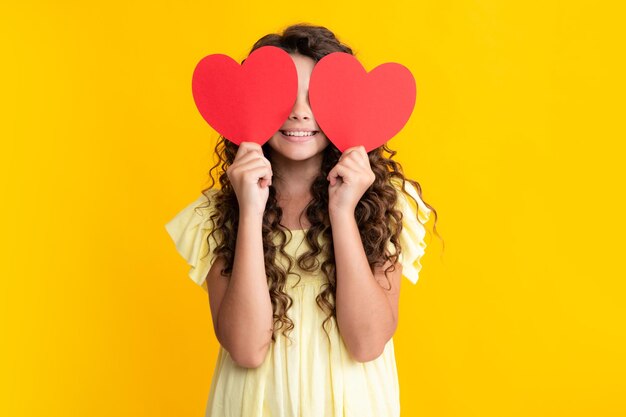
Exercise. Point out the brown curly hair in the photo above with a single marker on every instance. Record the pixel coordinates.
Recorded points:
(379, 222)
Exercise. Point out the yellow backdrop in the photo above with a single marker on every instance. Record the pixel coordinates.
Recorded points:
(515, 139)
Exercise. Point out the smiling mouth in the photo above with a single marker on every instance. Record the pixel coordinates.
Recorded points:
(300, 138)
(303, 134)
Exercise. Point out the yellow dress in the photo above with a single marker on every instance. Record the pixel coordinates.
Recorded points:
(308, 376)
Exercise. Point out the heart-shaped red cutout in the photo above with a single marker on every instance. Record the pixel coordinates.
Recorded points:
(248, 102)
(354, 107)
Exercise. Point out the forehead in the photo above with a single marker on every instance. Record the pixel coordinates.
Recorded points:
(303, 62)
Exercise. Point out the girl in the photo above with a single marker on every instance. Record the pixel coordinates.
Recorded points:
(307, 240)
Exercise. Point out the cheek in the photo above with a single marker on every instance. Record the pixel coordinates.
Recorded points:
(274, 137)
(272, 142)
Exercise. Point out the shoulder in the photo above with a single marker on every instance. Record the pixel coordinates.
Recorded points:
(190, 230)
(409, 201)
(202, 206)
(415, 215)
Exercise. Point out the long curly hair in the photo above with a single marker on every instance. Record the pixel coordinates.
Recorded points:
(378, 221)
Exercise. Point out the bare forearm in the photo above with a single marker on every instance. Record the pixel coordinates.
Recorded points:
(364, 316)
(245, 316)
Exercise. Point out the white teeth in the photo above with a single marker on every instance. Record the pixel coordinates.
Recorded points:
(298, 133)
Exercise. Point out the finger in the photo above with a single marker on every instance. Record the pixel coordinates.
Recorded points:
(336, 175)
(341, 171)
(251, 155)
(253, 164)
(358, 153)
(332, 175)
(263, 183)
(364, 155)
(345, 153)
(246, 147)
(355, 159)
(351, 149)
(254, 175)
(355, 163)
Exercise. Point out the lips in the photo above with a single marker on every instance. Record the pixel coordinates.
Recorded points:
(298, 130)
(298, 139)
(315, 132)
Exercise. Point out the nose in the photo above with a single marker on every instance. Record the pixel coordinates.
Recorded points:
(301, 110)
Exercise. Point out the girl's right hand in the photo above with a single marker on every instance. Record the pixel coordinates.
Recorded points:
(250, 175)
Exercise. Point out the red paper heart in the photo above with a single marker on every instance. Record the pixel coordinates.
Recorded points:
(354, 107)
(248, 102)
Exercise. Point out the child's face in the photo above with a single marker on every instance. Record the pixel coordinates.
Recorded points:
(301, 119)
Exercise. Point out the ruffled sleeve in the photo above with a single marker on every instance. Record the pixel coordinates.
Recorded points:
(413, 231)
(189, 230)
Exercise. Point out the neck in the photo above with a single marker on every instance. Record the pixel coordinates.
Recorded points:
(294, 178)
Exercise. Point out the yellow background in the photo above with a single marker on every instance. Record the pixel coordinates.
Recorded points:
(516, 139)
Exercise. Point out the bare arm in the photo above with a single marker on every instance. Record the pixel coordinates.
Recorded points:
(367, 314)
(244, 314)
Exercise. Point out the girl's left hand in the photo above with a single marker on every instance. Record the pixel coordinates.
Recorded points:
(349, 180)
